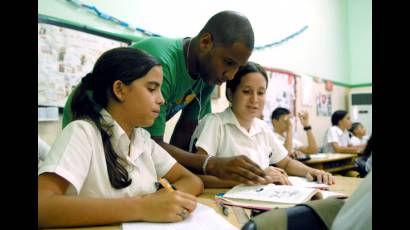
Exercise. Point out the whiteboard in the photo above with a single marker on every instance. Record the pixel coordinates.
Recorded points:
(65, 55)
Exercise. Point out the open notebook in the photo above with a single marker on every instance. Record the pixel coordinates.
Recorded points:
(202, 218)
(270, 196)
(303, 182)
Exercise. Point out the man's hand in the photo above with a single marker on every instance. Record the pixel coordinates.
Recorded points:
(321, 177)
(238, 168)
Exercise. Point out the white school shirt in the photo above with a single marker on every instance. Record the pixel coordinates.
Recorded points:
(357, 141)
(78, 156)
(335, 134)
(221, 135)
(296, 144)
(43, 149)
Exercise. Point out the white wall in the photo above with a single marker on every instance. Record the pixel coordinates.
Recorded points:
(360, 41)
(321, 50)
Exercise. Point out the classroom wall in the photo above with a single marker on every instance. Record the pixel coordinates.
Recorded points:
(321, 50)
(360, 41)
(319, 124)
(336, 46)
(49, 130)
(68, 11)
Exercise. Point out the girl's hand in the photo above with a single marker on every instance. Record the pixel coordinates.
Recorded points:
(164, 206)
(321, 177)
(276, 175)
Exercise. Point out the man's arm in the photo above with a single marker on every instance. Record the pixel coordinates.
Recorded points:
(183, 131)
(239, 168)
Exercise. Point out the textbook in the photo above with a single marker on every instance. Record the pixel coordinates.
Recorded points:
(267, 197)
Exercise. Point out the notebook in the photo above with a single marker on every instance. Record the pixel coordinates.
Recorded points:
(202, 218)
(266, 197)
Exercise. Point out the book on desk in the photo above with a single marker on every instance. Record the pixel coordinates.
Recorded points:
(267, 197)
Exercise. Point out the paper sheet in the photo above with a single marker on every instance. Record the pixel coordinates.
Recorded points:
(203, 218)
(303, 182)
(307, 89)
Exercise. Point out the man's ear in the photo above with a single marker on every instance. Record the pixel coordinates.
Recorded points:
(206, 42)
(119, 89)
(229, 94)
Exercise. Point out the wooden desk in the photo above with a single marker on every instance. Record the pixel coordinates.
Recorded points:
(332, 162)
(345, 185)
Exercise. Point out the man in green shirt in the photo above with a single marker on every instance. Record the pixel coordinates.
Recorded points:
(191, 68)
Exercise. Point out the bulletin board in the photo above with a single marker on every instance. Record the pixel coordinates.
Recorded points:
(66, 53)
(281, 92)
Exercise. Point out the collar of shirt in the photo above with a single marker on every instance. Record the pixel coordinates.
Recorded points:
(279, 136)
(228, 117)
(338, 130)
(119, 139)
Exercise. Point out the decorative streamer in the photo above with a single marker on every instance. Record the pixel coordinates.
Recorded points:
(148, 33)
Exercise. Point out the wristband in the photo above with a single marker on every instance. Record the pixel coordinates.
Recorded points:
(307, 128)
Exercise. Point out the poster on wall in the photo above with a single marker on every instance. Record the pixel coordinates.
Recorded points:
(281, 92)
(64, 56)
(324, 105)
(307, 89)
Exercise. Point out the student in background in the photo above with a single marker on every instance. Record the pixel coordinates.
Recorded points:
(357, 135)
(283, 127)
(192, 67)
(102, 168)
(239, 132)
(337, 137)
(43, 149)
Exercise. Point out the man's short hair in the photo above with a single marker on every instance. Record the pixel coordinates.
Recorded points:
(278, 112)
(228, 27)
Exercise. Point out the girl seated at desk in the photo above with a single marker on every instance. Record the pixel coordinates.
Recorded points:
(337, 137)
(103, 167)
(357, 135)
(239, 131)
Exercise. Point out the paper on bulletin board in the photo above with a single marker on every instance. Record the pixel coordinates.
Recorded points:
(307, 90)
(324, 105)
(64, 57)
(280, 93)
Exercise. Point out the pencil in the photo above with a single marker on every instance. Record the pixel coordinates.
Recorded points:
(166, 184)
